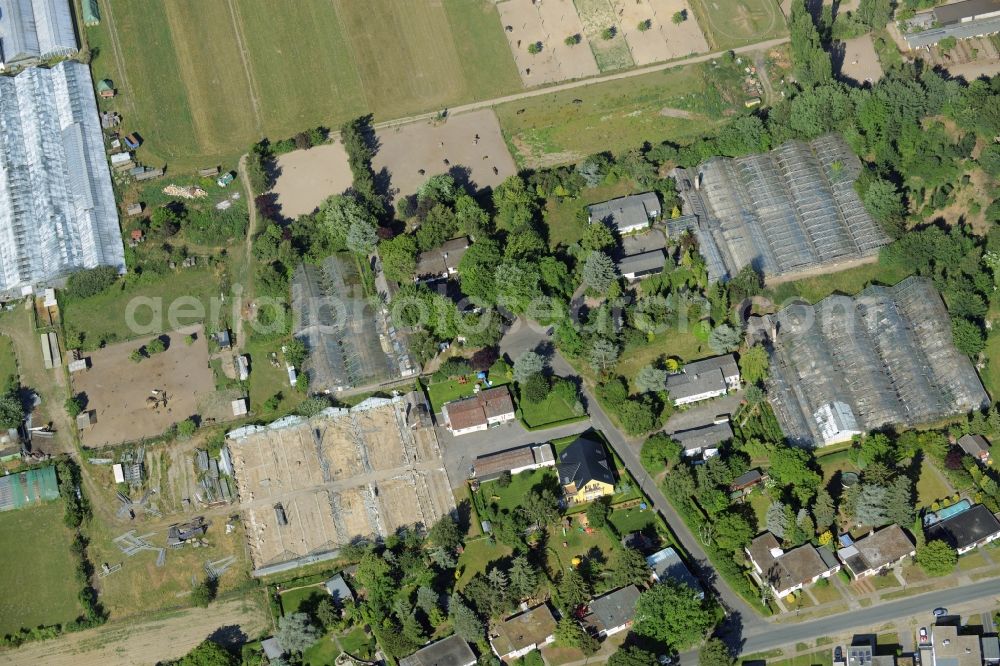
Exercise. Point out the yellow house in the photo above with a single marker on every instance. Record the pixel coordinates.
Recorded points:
(584, 472)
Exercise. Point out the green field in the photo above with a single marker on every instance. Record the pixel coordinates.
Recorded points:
(202, 81)
(850, 281)
(103, 317)
(39, 587)
(731, 23)
(8, 363)
(620, 114)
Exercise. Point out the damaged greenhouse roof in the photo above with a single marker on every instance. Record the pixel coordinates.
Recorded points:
(335, 322)
(782, 212)
(851, 365)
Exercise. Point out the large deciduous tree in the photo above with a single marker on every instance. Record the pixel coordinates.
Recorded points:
(672, 614)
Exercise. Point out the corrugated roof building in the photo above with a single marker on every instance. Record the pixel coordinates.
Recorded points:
(32, 30)
(57, 207)
(851, 365)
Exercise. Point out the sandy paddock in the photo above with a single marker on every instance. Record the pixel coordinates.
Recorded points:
(117, 388)
(860, 60)
(549, 22)
(309, 177)
(406, 149)
(683, 39)
(304, 174)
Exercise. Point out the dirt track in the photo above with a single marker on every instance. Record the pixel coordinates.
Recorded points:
(143, 642)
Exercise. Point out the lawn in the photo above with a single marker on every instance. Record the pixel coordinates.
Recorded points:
(103, 317)
(8, 363)
(739, 22)
(521, 484)
(595, 549)
(267, 380)
(476, 558)
(39, 586)
(566, 126)
(322, 652)
(851, 281)
(991, 374)
(451, 389)
(760, 502)
(973, 560)
(201, 81)
(293, 600)
(931, 486)
(634, 520)
(683, 344)
(357, 642)
(562, 216)
(549, 412)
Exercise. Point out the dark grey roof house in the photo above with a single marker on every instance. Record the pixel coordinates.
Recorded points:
(976, 446)
(703, 441)
(642, 265)
(451, 651)
(627, 214)
(613, 612)
(704, 379)
(967, 530)
(583, 465)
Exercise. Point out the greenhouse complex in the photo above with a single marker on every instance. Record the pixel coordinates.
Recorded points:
(847, 365)
(783, 212)
(57, 207)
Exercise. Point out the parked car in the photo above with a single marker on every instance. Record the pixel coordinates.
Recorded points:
(923, 634)
(940, 612)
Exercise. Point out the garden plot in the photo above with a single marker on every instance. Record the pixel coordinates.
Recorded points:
(598, 18)
(549, 23)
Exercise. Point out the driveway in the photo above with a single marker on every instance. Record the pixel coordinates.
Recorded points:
(459, 452)
(703, 413)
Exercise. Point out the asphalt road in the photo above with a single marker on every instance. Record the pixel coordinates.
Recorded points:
(864, 620)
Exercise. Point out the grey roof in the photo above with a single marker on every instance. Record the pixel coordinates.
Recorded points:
(35, 29)
(617, 608)
(643, 264)
(786, 211)
(584, 461)
(272, 649)
(57, 206)
(975, 28)
(451, 651)
(747, 479)
(702, 376)
(338, 589)
(991, 649)
(965, 529)
(967, 10)
(668, 564)
(440, 261)
(886, 354)
(626, 213)
(705, 437)
(974, 445)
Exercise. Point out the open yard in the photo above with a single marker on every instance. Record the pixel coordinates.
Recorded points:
(932, 485)
(102, 319)
(117, 388)
(732, 23)
(39, 586)
(510, 498)
(674, 104)
(201, 81)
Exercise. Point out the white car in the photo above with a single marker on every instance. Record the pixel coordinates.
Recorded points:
(923, 635)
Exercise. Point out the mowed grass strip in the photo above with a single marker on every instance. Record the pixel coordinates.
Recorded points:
(483, 51)
(613, 115)
(159, 98)
(301, 87)
(207, 49)
(39, 587)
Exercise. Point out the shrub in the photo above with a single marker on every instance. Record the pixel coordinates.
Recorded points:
(573, 40)
(609, 33)
(534, 48)
(536, 388)
(84, 284)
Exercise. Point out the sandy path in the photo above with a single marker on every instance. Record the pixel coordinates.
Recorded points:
(142, 642)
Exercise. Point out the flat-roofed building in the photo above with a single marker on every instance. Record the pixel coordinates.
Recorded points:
(961, 20)
(57, 207)
(626, 214)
